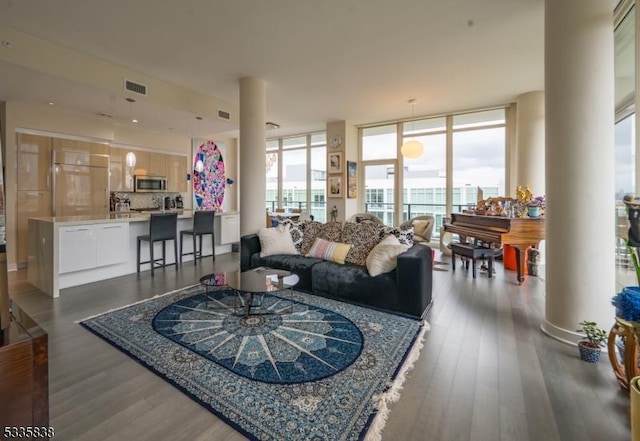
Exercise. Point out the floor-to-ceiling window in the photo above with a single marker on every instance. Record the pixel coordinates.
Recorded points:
(424, 177)
(296, 174)
(478, 156)
(477, 141)
(379, 153)
(625, 136)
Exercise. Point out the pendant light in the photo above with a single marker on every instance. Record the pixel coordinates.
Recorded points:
(130, 159)
(199, 165)
(412, 148)
(131, 101)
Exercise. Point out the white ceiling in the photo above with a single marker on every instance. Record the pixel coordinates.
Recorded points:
(323, 61)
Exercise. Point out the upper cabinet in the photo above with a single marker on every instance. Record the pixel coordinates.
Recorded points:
(149, 163)
(34, 162)
(173, 167)
(176, 173)
(80, 146)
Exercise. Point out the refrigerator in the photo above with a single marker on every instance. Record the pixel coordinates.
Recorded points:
(80, 183)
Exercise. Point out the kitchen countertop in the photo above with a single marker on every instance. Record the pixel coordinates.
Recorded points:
(131, 216)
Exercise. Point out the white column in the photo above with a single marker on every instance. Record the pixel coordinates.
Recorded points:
(530, 141)
(253, 139)
(579, 165)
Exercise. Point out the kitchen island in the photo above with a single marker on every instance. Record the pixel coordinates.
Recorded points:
(74, 250)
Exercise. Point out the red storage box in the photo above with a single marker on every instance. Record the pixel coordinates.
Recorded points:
(509, 258)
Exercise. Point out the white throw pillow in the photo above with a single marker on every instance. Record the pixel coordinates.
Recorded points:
(276, 240)
(384, 256)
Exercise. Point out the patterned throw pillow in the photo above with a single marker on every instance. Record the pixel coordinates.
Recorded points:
(330, 231)
(362, 237)
(404, 234)
(296, 229)
(327, 250)
(311, 230)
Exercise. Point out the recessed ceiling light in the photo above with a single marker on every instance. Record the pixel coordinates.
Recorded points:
(134, 120)
(7, 44)
(51, 103)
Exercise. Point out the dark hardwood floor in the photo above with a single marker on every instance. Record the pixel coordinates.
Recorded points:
(486, 371)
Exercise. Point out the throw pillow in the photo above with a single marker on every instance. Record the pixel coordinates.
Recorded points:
(296, 229)
(384, 256)
(404, 234)
(362, 237)
(420, 226)
(311, 230)
(327, 250)
(276, 240)
(330, 231)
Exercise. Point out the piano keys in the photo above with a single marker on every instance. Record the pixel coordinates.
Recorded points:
(520, 232)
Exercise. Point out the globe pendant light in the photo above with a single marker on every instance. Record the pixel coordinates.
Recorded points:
(412, 148)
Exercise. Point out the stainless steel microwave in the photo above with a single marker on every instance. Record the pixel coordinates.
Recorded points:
(149, 183)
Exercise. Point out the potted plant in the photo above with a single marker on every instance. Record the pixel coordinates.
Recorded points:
(591, 345)
(535, 206)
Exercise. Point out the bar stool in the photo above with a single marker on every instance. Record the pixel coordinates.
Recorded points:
(202, 225)
(162, 227)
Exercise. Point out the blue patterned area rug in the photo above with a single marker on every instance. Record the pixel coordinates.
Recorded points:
(326, 370)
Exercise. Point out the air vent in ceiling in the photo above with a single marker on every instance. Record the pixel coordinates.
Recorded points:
(223, 114)
(138, 88)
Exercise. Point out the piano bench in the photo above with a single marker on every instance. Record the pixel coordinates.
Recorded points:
(472, 252)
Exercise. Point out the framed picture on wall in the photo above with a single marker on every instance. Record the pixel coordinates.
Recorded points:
(335, 162)
(335, 186)
(352, 180)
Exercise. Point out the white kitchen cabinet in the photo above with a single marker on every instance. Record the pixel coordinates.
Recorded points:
(229, 228)
(112, 243)
(76, 248)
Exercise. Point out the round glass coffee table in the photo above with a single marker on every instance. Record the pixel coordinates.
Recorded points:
(258, 282)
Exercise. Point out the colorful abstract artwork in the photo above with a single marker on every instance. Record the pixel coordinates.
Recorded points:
(208, 176)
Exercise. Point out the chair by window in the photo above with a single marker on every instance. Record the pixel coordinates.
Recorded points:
(202, 225)
(365, 217)
(423, 227)
(162, 227)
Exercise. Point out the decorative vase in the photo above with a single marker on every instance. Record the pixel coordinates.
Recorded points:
(588, 353)
(533, 211)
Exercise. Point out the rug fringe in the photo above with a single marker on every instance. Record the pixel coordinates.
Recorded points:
(392, 394)
(135, 303)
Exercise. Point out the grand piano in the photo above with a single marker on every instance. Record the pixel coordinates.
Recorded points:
(520, 233)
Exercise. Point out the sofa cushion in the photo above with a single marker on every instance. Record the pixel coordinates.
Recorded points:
(299, 265)
(311, 230)
(330, 231)
(384, 256)
(353, 283)
(362, 237)
(403, 233)
(276, 240)
(327, 250)
(296, 229)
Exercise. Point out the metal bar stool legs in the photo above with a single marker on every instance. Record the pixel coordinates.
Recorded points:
(202, 225)
(162, 227)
